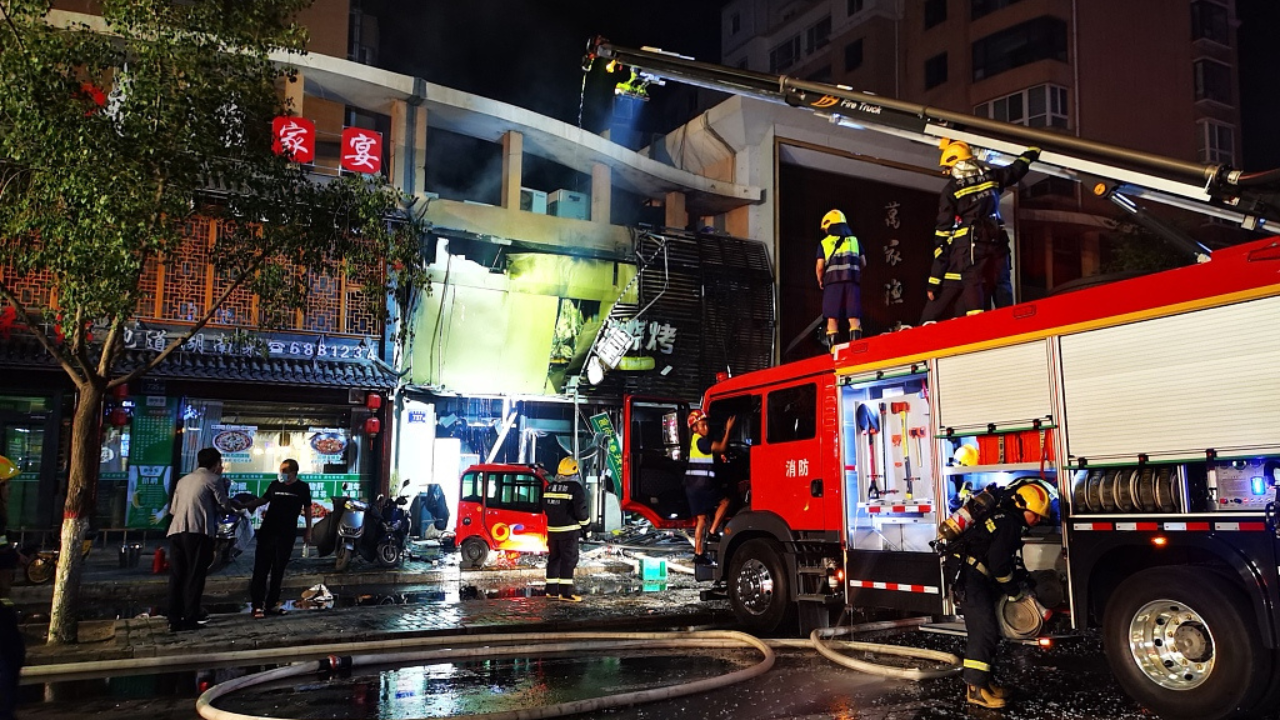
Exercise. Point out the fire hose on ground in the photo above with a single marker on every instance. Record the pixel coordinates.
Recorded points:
(485, 647)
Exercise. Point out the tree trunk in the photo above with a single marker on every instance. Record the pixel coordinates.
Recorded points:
(85, 458)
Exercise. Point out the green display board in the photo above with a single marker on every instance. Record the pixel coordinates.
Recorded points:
(324, 487)
(155, 424)
(601, 424)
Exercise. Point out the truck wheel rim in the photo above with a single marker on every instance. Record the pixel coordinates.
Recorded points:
(1172, 644)
(755, 586)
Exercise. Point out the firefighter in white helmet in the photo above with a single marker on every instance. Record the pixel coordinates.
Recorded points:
(565, 504)
(971, 251)
(839, 270)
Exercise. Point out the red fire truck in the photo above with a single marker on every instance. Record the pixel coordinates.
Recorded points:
(1152, 405)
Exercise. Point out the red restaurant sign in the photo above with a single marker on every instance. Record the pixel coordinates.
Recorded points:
(295, 137)
(361, 150)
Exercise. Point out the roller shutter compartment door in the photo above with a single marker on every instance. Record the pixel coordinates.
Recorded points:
(1176, 386)
(1008, 386)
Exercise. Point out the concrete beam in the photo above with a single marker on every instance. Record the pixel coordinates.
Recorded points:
(560, 235)
(512, 168)
(676, 216)
(601, 193)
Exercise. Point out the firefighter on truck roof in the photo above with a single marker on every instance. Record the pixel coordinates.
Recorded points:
(986, 563)
(565, 505)
(971, 250)
(839, 270)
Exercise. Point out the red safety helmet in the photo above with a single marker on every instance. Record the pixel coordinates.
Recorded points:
(696, 417)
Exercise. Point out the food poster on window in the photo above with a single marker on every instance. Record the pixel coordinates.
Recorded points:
(324, 486)
(235, 442)
(328, 445)
(154, 426)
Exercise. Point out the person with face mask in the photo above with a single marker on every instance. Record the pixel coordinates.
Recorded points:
(286, 498)
(971, 250)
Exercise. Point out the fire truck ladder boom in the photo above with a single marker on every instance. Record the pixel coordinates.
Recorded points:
(1248, 200)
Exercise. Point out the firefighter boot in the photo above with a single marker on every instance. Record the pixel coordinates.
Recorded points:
(982, 695)
(833, 339)
(997, 692)
(855, 334)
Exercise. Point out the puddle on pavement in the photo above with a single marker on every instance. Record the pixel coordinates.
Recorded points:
(477, 687)
(356, 597)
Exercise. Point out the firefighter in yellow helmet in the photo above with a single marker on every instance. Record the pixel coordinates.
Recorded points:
(839, 271)
(986, 562)
(971, 251)
(565, 504)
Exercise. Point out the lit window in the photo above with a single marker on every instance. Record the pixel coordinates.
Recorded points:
(1039, 106)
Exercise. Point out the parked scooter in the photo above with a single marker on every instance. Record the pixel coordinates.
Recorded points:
(375, 531)
(233, 536)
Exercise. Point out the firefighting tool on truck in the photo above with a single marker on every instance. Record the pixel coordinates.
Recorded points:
(1167, 535)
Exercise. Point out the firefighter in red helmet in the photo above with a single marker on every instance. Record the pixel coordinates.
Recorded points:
(700, 486)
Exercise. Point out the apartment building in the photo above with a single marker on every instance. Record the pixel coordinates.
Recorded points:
(1160, 76)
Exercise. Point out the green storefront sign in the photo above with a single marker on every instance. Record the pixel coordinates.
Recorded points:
(155, 424)
(600, 423)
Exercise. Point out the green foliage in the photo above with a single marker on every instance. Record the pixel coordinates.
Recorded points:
(93, 192)
(1132, 249)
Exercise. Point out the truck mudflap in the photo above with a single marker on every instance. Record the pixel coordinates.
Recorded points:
(897, 580)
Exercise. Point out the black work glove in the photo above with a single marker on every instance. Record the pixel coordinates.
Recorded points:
(1031, 154)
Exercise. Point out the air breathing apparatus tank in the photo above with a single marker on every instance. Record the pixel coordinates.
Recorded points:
(979, 505)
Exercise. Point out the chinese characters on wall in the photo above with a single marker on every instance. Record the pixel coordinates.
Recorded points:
(892, 255)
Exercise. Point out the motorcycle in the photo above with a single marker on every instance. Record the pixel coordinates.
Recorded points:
(233, 536)
(375, 531)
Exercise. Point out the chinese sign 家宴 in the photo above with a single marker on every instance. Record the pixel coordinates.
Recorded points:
(361, 150)
(295, 138)
(151, 461)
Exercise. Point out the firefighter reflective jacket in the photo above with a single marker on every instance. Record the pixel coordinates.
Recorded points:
(993, 549)
(842, 254)
(969, 226)
(565, 505)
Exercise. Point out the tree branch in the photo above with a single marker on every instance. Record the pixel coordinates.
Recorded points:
(79, 352)
(49, 347)
(182, 339)
(108, 347)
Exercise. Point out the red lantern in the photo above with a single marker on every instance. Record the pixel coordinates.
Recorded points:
(120, 392)
(372, 427)
(119, 418)
(373, 401)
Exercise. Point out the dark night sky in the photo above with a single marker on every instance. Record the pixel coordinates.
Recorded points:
(528, 53)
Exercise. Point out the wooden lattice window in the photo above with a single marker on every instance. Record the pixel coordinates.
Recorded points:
(149, 290)
(359, 319)
(187, 274)
(240, 308)
(323, 311)
(33, 290)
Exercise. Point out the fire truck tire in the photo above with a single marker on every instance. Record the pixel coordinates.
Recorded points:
(474, 552)
(758, 587)
(1185, 648)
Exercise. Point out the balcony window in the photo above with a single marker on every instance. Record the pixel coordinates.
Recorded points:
(784, 55)
(1213, 81)
(978, 8)
(1043, 38)
(1039, 106)
(1209, 22)
(854, 6)
(1216, 143)
(817, 37)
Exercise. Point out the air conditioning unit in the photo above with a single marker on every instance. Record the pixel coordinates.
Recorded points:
(533, 200)
(569, 204)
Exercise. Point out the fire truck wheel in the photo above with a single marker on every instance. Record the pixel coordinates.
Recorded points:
(1183, 647)
(758, 586)
(474, 552)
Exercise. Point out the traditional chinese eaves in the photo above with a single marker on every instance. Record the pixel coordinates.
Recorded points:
(26, 354)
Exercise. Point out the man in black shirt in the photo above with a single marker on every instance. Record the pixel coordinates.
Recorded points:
(286, 498)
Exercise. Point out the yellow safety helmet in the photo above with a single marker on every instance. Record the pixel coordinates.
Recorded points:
(1033, 497)
(966, 455)
(953, 152)
(831, 218)
(8, 470)
(568, 466)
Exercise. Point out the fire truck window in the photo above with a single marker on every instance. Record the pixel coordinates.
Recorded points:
(471, 487)
(793, 413)
(746, 429)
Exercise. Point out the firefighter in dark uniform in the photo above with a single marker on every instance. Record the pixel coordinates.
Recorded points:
(989, 564)
(565, 505)
(971, 249)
